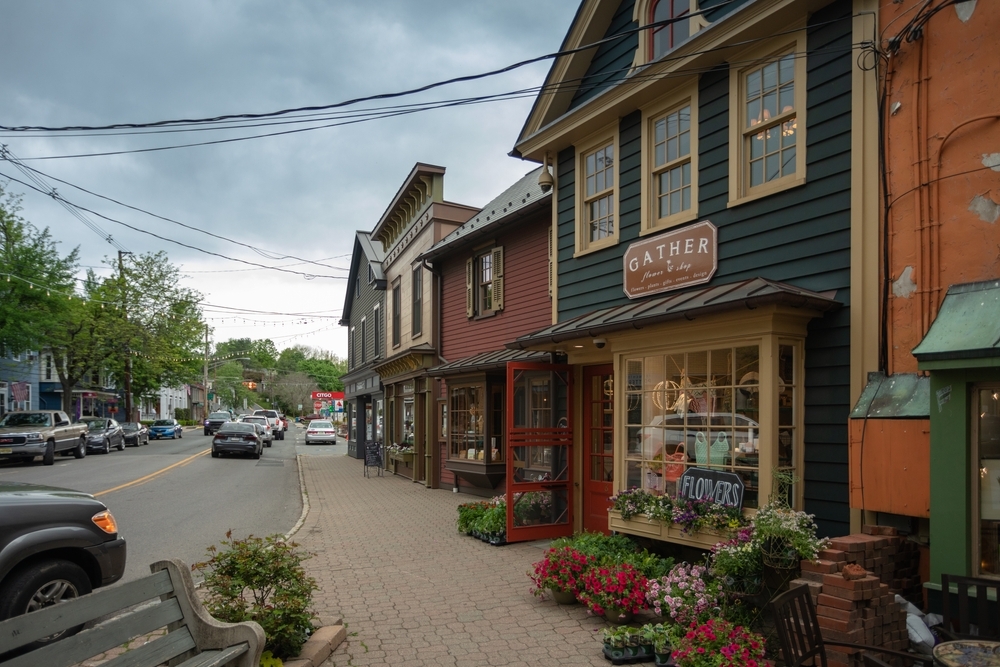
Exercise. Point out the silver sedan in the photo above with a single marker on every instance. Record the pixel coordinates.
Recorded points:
(320, 431)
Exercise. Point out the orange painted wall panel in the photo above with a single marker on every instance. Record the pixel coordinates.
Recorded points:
(890, 466)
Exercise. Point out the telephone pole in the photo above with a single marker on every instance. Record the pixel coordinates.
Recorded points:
(128, 352)
(205, 385)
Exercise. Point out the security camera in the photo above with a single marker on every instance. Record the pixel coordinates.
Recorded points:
(599, 343)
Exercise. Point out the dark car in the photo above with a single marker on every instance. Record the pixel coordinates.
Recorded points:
(103, 434)
(166, 428)
(135, 433)
(55, 544)
(215, 420)
(237, 438)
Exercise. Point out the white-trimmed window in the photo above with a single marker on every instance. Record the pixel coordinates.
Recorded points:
(767, 123)
(597, 192)
(670, 173)
(417, 302)
(377, 320)
(364, 340)
(665, 38)
(352, 351)
(484, 289)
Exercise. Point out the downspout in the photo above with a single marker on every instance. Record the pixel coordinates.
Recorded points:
(431, 461)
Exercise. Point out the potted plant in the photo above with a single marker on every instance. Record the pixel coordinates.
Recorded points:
(718, 643)
(561, 573)
(685, 595)
(786, 536)
(739, 564)
(469, 514)
(615, 591)
(492, 524)
(615, 641)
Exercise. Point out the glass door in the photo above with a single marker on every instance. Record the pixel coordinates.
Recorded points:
(598, 439)
(987, 439)
(539, 451)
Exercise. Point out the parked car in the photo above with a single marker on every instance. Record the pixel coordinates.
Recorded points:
(163, 428)
(320, 431)
(215, 420)
(237, 438)
(275, 419)
(45, 433)
(264, 423)
(55, 544)
(103, 434)
(136, 433)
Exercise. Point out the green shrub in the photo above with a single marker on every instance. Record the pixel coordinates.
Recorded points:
(493, 520)
(262, 580)
(469, 513)
(617, 549)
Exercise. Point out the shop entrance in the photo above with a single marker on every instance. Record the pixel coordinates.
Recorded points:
(598, 439)
(539, 451)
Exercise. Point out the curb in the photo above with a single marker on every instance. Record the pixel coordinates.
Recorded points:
(305, 500)
(319, 646)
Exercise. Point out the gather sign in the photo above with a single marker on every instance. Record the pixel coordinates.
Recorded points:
(723, 488)
(684, 257)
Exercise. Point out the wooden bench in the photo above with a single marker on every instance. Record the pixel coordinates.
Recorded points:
(166, 598)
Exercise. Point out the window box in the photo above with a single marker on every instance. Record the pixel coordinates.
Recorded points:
(406, 457)
(642, 526)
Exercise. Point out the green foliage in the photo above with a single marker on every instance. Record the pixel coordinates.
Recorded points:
(262, 580)
(493, 521)
(326, 372)
(267, 659)
(28, 311)
(616, 550)
(469, 514)
(182, 415)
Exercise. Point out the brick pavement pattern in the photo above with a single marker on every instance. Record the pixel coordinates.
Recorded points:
(413, 591)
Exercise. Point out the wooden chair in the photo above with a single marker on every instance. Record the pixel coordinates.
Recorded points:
(957, 620)
(800, 637)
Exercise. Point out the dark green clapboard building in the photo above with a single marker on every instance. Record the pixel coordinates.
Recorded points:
(715, 252)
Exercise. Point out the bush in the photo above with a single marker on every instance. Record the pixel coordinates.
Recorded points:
(182, 414)
(617, 550)
(262, 580)
(469, 513)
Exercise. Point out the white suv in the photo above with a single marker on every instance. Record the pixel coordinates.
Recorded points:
(264, 423)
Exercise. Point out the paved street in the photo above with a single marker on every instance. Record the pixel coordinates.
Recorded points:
(414, 592)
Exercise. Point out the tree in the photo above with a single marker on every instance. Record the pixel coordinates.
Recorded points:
(233, 348)
(288, 360)
(326, 372)
(35, 281)
(293, 390)
(228, 385)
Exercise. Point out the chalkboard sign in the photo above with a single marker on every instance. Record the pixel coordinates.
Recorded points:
(724, 488)
(373, 457)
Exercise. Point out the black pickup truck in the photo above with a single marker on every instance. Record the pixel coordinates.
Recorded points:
(216, 420)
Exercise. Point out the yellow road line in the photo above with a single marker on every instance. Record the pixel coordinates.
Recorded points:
(152, 475)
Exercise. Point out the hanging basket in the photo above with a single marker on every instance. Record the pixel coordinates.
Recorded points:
(778, 554)
(744, 586)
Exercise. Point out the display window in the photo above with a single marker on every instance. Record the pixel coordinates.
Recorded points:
(703, 408)
(986, 437)
(473, 422)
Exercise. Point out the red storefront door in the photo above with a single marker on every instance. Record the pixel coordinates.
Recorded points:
(598, 442)
(539, 451)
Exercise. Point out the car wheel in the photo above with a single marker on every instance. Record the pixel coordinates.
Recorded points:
(256, 454)
(207, 432)
(42, 585)
(180, 434)
(215, 454)
(107, 446)
(81, 449)
(121, 445)
(49, 457)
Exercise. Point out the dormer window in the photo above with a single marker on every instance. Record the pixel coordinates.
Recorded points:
(665, 38)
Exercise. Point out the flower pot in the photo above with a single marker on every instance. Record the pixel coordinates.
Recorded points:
(564, 597)
(618, 616)
(663, 660)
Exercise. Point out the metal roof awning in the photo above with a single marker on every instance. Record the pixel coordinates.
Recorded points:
(488, 361)
(898, 396)
(688, 305)
(967, 327)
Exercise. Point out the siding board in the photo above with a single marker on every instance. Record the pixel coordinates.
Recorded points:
(612, 60)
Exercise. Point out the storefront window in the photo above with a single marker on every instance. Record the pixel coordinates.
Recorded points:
(378, 420)
(467, 436)
(988, 441)
(702, 409)
(368, 422)
(408, 422)
(352, 417)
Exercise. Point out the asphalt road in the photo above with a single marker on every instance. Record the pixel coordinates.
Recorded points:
(173, 500)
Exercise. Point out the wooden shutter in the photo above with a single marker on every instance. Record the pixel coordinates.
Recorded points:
(469, 287)
(498, 278)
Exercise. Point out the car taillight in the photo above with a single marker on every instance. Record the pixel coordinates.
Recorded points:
(312, 432)
(250, 438)
(105, 522)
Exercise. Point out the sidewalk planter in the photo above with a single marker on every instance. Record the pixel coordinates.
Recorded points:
(643, 526)
(628, 655)
(564, 597)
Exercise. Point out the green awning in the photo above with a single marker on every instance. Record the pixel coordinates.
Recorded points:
(966, 327)
(903, 395)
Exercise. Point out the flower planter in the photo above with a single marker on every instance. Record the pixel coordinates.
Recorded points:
(564, 597)
(618, 616)
(643, 526)
(627, 655)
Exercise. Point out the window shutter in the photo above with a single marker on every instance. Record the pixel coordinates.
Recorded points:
(469, 305)
(498, 278)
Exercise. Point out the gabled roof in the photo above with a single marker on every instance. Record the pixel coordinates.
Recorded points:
(688, 305)
(521, 199)
(363, 247)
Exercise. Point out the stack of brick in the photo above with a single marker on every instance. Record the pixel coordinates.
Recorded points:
(859, 611)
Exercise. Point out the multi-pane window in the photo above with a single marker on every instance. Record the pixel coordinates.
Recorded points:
(986, 441)
(377, 326)
(690, 409)
(48, 366)
(397, 302)
(417, 299)
(485, 282)
(770, 125)
(467, 434)
(672, 162)
(599, 192)
(364, 340)
(667, 37)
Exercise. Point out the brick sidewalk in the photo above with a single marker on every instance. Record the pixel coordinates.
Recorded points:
(413, 591)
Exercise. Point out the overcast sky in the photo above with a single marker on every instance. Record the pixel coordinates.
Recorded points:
(100, 62)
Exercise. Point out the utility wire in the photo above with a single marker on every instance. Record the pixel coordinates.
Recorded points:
(380, 96)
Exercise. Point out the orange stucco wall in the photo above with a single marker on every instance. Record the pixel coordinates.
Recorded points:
(942, 135)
